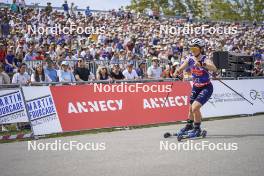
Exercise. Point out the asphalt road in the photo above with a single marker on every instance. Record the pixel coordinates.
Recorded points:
(138, 153)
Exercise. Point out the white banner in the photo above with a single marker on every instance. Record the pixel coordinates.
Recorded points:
(41, 110)
(225, 102)
(12, 107)
(253, 90)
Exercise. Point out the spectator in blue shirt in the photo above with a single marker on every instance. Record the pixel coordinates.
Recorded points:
(119, 46)
(65, 7)
(65, 75)
(5, 28)
(88, 12)
(30, 55)
(141, 70)
(51, 71)
(257, 55)
(10, 61)
(14, 7)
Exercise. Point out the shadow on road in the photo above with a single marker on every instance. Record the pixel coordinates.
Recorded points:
(233, 135)
(223, 136)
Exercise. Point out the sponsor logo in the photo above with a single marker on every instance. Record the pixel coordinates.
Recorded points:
(12, 107)
(41, 110)
(256, 95)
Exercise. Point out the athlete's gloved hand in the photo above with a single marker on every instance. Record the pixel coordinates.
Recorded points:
(215, 75)
(200, 64)
(178, 75)
(197, 64)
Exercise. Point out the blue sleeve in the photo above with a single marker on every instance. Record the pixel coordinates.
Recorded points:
(190, 61)
(72, 77)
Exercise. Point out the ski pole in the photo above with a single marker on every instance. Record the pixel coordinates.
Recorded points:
(169, 92)
(167, 95)
(234, 91)
(230, 88)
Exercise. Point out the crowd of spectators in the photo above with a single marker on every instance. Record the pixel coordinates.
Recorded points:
(128, 45)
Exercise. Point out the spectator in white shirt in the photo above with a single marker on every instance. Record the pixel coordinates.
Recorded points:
(129, 72)
(39, 75)
(21, 77)
(93, 50)
(154, 71)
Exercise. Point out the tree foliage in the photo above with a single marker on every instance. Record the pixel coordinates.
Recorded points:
(212, 9)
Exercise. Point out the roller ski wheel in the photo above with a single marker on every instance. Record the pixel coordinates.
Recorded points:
(179, 138)
(204, 133)
(167, 135)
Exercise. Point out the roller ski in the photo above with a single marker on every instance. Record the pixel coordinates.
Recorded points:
(183, 131)
(193, 134)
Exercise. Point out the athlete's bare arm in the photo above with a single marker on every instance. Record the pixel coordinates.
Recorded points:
(181, 68)
(210, 65)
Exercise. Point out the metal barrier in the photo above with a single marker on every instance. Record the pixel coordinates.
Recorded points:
(226, 78)
(12, 86)
(93, 65)
(256, 77)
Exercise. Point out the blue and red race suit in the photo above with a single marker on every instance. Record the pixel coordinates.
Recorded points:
(202, 86)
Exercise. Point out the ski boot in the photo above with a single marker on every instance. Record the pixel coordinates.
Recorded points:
(183, 131)
(195, 133)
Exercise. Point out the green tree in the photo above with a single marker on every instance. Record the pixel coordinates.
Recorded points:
(253, 10)
(178, 7)
(223, 10)
(196, 7)
(218, 9)
(168, 7)
(237, 10)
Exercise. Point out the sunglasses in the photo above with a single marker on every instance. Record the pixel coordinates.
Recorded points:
(194, 49)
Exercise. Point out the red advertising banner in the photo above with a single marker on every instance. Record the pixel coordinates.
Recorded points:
(127, 104)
